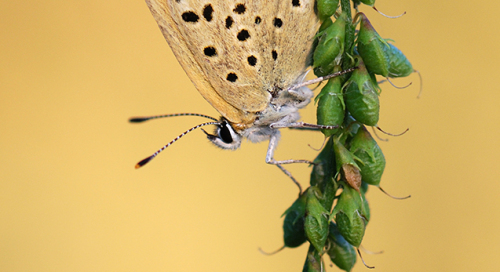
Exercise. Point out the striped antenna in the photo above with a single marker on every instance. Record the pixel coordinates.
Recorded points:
(146, 160)
(146, 118)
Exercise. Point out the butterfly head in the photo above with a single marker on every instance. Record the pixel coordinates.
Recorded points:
(225, 136)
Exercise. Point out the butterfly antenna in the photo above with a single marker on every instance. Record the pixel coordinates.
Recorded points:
(146, 118)
(146, 160)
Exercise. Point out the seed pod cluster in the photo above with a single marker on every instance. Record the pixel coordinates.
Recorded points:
(333, 213)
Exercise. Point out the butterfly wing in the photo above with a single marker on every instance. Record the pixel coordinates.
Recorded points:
(238, 53)
(293, 40)
(181, 49)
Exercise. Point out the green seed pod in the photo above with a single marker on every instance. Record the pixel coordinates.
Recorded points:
(368, 2)
(293, 225)
(371, 47)
(351, 125)
(345, 160)
(322, 170)
(379, 56)
(331, 106)
(330, 47)
(349, 216)
(364, 187)
(316, 221)
(399, 65)
(342, 254)
(366, 207)
(369, 153)
(365, 212)
(351, 226)
(361, 96)
(322, 174)
(324, 70)
(326, 23)
(313, 261)
(326, 8)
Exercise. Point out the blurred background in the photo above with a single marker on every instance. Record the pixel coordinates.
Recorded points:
(73, 72)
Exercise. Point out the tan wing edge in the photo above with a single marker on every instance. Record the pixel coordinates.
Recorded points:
(193, 70)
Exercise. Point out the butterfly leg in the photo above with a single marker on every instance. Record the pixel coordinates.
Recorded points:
(290, 176)
(273, 142)
(301, 125)
(302, 96)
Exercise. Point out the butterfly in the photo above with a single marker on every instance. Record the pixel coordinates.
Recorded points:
(248, 59)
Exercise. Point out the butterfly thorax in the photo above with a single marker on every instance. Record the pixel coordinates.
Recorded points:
(281, 110)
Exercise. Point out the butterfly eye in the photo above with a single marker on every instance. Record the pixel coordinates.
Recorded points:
(225, 137)
(224, 132)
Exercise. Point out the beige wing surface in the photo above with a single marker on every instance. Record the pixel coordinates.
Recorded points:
(181, 49)
(295, 38)
(238, 52)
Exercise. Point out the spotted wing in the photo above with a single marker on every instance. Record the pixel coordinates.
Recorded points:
(238, 52)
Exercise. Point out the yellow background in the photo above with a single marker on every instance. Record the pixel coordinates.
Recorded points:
(73, 72)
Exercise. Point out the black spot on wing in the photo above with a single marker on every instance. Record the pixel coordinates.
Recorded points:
(240, 9)
(232, 77)
(252, 60)
(210, 51)
(277, 22)
(229, 22)
(190, 17)
(208, 10)
(243, 35)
